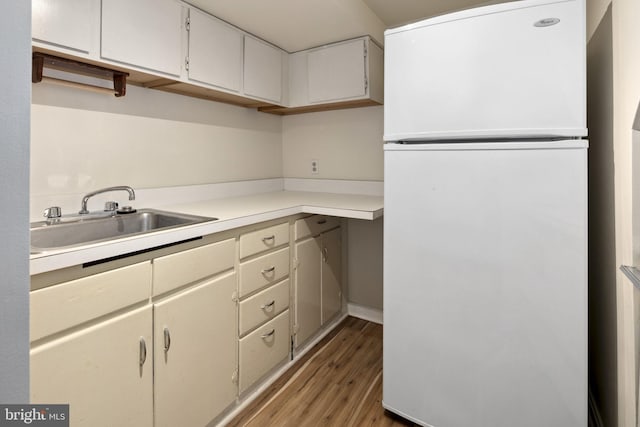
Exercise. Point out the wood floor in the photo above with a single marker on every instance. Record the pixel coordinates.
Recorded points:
(337, 383)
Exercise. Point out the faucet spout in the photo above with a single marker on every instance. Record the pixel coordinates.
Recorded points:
(85, 199)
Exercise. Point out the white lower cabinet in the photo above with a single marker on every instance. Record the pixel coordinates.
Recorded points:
(195, 353)
(91, 347)
(263, 306)
(177, 339)
(264, 333)
(331, 301)
(317, 274)
(104, 372)
(263, 349)
(308, 292)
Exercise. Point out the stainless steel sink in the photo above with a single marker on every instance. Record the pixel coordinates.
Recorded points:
(80, 230)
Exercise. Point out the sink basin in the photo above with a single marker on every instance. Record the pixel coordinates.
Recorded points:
(79, 231)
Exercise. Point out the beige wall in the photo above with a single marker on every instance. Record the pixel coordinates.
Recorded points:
(347, 143)
(602, 255)
(626, 94)
(365, 263)
(82, 141)
(615, 93)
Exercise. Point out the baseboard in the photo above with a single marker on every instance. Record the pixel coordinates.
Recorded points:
(366, 313)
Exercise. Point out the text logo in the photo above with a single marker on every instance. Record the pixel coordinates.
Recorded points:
(34, 415)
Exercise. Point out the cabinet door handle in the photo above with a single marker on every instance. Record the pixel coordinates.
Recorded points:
(269, 238)
(269, 270)
(322, 221)
(325, 254)
(268, 334)
(268, 305)
(167, 339)
(143, 351)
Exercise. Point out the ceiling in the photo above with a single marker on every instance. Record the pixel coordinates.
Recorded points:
(300, 24)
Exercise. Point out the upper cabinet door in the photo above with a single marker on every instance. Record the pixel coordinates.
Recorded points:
(144, 33)
(337, 72)
(65, 23)
(262, 70)
(215, 52)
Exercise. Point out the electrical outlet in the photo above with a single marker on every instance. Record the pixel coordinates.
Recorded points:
(315, 167)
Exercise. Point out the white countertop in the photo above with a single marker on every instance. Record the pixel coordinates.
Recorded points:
(231, 213)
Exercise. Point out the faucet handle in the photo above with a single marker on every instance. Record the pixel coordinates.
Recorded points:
(111, 206)
(52, 212)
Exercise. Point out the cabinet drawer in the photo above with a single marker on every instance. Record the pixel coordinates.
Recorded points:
(172, 271)
(315, 224)
(263, 271)
(263, 306)
(62, 306)
(263, 240)
(263, 348)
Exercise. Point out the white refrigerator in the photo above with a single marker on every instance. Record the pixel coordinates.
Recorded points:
(485, 224)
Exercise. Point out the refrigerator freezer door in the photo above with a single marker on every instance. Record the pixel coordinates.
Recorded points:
(485, 284)
(509, 70)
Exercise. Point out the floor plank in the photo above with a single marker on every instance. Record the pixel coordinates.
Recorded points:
(337, 383)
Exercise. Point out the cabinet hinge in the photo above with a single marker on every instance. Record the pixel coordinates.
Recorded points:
(366, 79)
(234, 377)
(234, 297)
(187, 23)
(296, 263)
(186, 63)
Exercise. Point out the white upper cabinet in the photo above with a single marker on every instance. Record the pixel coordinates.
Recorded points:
(349, 71)
(65, 23)
(144, 33)
(172, 46)
(263, 70)
(337, 72)
(215, 52)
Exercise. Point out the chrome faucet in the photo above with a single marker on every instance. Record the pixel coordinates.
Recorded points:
(85, 199)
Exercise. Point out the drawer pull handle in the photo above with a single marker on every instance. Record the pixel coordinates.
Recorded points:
(268, 334)
(167, 339)
(268, 305)
(143, 351)
(269, 270)
(269, 238)
(322, 221)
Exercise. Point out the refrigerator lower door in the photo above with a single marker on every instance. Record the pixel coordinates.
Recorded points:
(485, 284)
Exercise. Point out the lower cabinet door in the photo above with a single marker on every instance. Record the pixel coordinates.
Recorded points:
(307, 289)
(195, 341)
(104, 372)
(263, 349)
(331, 274)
